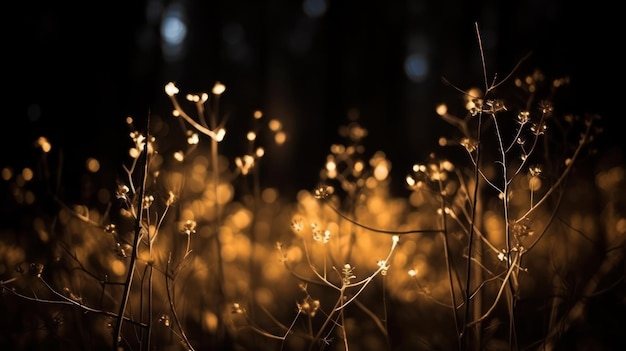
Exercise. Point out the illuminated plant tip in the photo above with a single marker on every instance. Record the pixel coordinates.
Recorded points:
(323, 191)
(189, 227)
(218, 88)
(171, 89)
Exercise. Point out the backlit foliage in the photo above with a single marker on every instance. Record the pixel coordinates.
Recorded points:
(506, 231)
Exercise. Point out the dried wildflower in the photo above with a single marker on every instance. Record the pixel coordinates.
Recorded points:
(192, 138)
(297, 225)
(189, 227)
(473, 104)
(546, 107)
(535, 170)
(326, 237)
(171, 198)
(148, 200)
(171, 89)
(245, 163)
(237, 309)
(523, 117)
(36, 269)
(165, 319)
(309, 306)
(521, 230)
(323, 191)
(319, 235)
(122, 250)
(539, 129)
(140, 142)
(122, 192)
(110, 228)
(495, 106)
(474, 111)
(347, 273)
(383, 267)
(283, 257)
(470, 144)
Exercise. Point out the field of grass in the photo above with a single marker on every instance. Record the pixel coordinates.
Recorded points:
(512, 236)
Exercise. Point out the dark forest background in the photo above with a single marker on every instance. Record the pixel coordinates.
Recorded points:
(74, 70)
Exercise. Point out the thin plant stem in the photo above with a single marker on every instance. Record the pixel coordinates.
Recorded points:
(449, 268)
(133, 258)
(217, 223)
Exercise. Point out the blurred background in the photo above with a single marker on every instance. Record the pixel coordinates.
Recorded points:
(76, 70)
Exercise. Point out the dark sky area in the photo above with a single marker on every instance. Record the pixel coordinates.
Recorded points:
(75, 71)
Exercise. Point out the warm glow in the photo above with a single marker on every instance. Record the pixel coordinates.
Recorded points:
(359, 166)
(92, 165)
(210, 321)
(242, 218)
(44, 144)
(269, 195)
(179, 156)
(171, 89)
(245, 163)
(225, 193)
(410, 181)
(27, 174)
(419, 168)
(259, 152)
(7, 173)
(275, 125)
(272, 271)
(199, 238)
(474, 93)
(442, 109)
(331, 165)
(534, 183)
(193, 139)
(337, 149)
(218, 88)
(219, 136)
(280, 138)
(118, 267)
(620, 226)
(381, 171)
